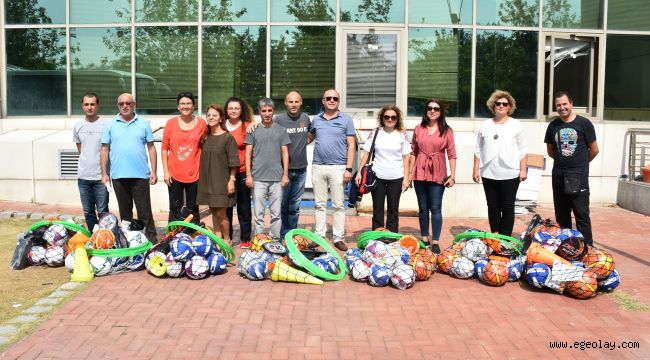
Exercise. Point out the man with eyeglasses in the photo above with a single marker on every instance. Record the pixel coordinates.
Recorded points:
(571, 143)
(332, 164)
(267, 167)
(126, 141)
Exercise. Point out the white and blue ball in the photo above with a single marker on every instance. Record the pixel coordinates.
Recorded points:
(196, 268)
(56, 234)
(479, 268)
(403, 277)
(538, 274)
(174, 267)
(474, 249)
(351, 255)
(515, 269)
(379, 275)
(69, 261)
(135, 262)
(217, 263)
(203, 245)
(136, 238)
(360, 270)
(611, 282)
(100, 265)
(181, 247)
(462, 268)
(54, 256)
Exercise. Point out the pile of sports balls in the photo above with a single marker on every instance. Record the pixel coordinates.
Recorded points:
(381, 264)
(47, 245)
(183, 254)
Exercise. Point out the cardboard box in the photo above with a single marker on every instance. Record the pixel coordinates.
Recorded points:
(536, 160)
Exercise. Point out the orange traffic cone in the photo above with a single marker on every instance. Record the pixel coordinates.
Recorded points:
(82, 271)
(284, 272)
(538, 254)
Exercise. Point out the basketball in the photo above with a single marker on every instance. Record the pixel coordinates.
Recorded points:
(538, 274)
(495, 273)
(600, 261)
(54, 256)
(403, 277)
(611, 283)
(462, 268)
(479, 268)
(585, 288)
(379, 275)
(181, 247)
(422, 266)
(36, 255)
(360, 270)
(173, 268)
(474, 249)
(217, 264)
(56, 234)
(156, 264)
(260, 239)
(301, 242)
(445, 260)
(203, 245)
(428, 255)
(100, 265)
(196, 268)
(103, 239)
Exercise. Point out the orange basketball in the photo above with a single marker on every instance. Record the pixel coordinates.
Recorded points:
(410, 243)
(584, 288)
(428, 255)
(495, 273)
(445, 259)
(301, 242)
(422, 266)
(495, 245)
(600, 261)
(259, 240)
(500, 258)
(457, 246)
(103, 239)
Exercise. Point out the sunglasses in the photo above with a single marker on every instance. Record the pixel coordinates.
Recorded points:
(125, 103)
(433, 108)
(502, 103)
(390, 117)
(331, 98)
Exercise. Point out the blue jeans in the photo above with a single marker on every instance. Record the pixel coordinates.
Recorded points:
(429, 196)
(291, 198)
(94, 199)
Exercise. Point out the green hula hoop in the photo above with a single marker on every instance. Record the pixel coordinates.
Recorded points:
(366, 236)
(507, 241)
(227, 251)
(121, 252)
(308, 265)
(65, 224)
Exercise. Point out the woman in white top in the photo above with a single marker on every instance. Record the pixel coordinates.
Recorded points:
(390, 164)
(500, 161)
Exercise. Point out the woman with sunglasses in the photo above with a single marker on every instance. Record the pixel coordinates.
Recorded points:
(181, 156)
(219, 167)
(432, 140)
(390, 164)
(237, 124)
(500, 160)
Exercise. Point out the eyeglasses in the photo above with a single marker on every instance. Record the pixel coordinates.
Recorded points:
(331, 98)
(433, 108)
(390, 117)
(502, 103)
(125, 103)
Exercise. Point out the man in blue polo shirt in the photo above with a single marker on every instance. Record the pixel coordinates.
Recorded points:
(126, 141)
(332, 165)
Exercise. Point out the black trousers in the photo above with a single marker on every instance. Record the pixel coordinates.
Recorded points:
(180, 194)
(500, 196)
(132, 190)
(243, 208)
(578, 203)
(386, 191)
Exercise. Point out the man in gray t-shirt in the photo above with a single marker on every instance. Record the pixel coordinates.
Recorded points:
(87, 134)
(267, 166)
(298, 125)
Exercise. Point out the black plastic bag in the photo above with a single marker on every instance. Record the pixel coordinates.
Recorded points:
(23, 245)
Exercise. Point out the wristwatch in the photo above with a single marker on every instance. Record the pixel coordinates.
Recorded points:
(348, 169)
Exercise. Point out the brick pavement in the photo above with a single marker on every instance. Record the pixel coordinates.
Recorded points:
(135, 315)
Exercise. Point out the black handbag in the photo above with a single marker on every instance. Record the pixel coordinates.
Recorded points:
(572, 184)
(368, 176)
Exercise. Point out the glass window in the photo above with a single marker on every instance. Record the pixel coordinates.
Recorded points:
(234, 63)
(446, 12)
(101, 63)
(440, 65)
(372, 11)
(507, 60)
(303, 10)
(627, 78)
(166, 10)
(234, 10)
(578, 14)
(507, 12)
(302, 59)
(100, 11)
(36, 72)
(35, 11)
(166, 65)
(628, 15)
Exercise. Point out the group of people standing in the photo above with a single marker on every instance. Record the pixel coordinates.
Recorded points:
(227, 160)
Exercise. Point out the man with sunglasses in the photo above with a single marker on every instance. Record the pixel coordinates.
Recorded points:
(126, 142)
(332, 164)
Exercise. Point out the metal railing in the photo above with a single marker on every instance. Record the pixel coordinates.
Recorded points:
(638, 153)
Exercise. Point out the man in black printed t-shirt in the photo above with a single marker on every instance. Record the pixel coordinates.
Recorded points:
(571, 142)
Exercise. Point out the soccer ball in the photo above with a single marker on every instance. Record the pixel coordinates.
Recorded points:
(611, 283)
(403, 277)
(256, 269)
(100, 265)
(196, 268)
(69, 261)
(56, 234)
(156, 264)
(379, 275)
(474, 249)
(217, 263)
(360, 270)
(36, 255)
(54, 256)
(173, 267)
(515, 269)
(479, 268)
(135, 262)
(103, 239)
(181, 247)
(422, 266)
(118, 264)
(542, 237)
(203, 245)
(374, 251)
(462, 268)
(445, 259)
(600, 261)
(586, 287)
(351, 255)
(495, 273)
(538, 274)
(136, 238)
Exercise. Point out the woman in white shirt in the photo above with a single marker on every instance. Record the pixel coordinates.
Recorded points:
(500, 161)
(390, 164)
